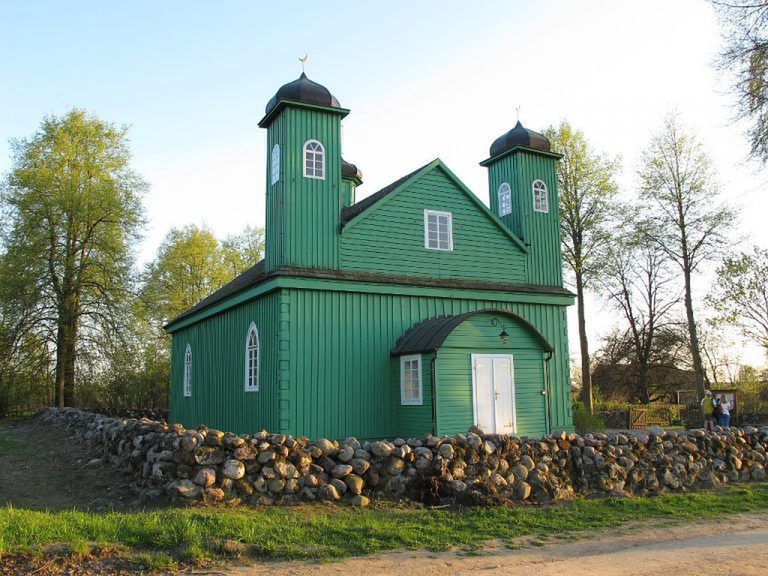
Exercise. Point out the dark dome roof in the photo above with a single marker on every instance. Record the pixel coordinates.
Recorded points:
(349, 170)
(519, 136)
(303, 90)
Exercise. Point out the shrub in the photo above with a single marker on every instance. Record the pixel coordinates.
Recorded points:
(584, 421)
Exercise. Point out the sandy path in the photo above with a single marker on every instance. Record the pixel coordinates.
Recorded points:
(740, 544)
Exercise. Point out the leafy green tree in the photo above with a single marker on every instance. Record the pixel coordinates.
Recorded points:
(241, 251)
(741, 294)
(587, 189)
(189, 266)
(74, 213)
(745, 58)
(690, 225)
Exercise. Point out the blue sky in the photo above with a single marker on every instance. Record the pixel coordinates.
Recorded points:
(423, 79)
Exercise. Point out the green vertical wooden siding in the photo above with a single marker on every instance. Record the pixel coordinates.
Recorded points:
(339, 367)
(454, 374)
(392, 241)
(218, 370)
(303, 214)
(540, 231)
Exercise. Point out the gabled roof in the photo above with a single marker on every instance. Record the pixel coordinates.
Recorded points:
(429, 335)
(249, 278)
(357, 212)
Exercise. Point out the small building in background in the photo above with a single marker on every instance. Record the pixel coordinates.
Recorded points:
(414, 310)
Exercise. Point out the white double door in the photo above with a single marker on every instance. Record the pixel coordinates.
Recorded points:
(493, 385)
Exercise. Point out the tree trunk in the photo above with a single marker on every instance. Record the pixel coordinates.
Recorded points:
(698, 365)
(66, 339)
(586, 374)
(59, 382)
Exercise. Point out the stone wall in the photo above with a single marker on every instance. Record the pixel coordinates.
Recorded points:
(212, 466)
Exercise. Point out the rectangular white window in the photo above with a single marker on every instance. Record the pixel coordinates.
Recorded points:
(410, 380)
(438, 230)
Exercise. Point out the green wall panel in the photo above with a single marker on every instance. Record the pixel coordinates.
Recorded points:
(303, 214)
(218, 370)
(454, 368)
(540, 231)
(344, 382)
(392, 240)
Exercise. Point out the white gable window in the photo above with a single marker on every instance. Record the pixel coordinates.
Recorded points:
(438, 230)
(188, 371)
(540, 196)
(275, 172)
(410, 380)
(505, 199)
(252, 359)
(314, 160)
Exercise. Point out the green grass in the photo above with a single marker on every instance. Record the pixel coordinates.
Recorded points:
(317, 531)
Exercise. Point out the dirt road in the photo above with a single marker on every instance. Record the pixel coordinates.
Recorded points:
(736, 546)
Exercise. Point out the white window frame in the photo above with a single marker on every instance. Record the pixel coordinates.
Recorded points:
(322, 155)
(187, 377)
(411, 401)
(505, 189)
(275, 164)
(252, 384)
(449, 216)
(540, 186)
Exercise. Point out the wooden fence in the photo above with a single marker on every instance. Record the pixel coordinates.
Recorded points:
(647, 415)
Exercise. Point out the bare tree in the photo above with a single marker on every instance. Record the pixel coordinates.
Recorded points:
(689, 224)
(638, 281)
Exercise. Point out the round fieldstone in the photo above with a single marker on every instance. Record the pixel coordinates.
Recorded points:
(233, 469)
(341, 470)
(205, 477)
(381, 449)
(354, 483)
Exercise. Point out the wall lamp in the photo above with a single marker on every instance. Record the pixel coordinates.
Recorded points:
(503, 335)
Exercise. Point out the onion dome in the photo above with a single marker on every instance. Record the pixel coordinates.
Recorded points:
(303, 90)
(519, 136)
(349, 170)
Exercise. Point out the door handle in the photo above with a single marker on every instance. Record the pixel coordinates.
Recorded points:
(496, 394)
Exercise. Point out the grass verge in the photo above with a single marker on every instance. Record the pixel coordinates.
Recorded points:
(318, 531)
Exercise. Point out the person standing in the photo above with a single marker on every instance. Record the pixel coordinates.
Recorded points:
(725, 417)
(707, 410)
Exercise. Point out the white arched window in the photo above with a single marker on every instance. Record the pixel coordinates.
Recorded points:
(540, 196)
(314, 160)
(252, 359)
(188, 371)
(275, 172)
(505, 199)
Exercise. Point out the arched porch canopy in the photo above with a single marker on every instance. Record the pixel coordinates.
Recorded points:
(429, 335)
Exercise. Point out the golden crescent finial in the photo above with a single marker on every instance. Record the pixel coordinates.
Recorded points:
(304, 61)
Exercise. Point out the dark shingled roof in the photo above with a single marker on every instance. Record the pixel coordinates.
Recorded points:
(249, 278)
(355, 210)
(429, 335)
(256, 275)
(519, 136)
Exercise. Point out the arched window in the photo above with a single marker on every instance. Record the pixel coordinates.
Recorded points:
(314, 160)
(275, 163)
(252, 359)
(540, 197)
(188, 371)
(505, 199)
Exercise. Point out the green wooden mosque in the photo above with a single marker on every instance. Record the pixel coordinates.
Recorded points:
(415, 310)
